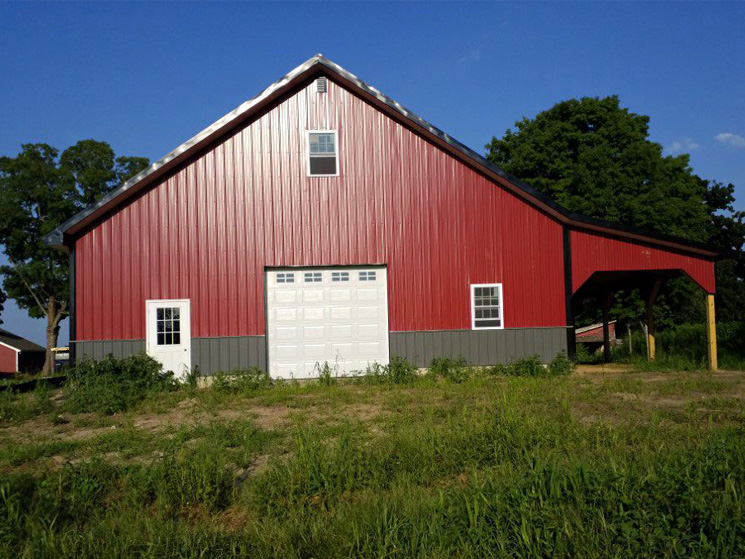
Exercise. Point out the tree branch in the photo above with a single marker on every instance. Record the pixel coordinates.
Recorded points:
(33, 293)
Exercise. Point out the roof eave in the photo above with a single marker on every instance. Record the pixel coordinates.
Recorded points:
(59, 238)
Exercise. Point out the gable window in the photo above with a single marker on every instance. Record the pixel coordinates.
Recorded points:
(486, 306)
(322, 154)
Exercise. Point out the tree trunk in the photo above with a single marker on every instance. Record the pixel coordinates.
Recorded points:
(55, 314)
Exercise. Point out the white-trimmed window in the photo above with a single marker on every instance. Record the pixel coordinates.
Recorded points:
(285, 277)
(486, 306)
(323, 155)
(339, 276)
(368, 276)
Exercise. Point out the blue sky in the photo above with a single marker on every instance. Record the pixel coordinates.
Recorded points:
(146, 77)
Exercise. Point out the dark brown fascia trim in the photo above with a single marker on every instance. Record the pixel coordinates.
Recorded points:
(393, 109)
(61, 236)
(533, 198)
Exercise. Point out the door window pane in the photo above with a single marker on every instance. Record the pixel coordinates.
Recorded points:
(168, 326)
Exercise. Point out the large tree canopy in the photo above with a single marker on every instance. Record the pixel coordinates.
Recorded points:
(39, 191)
(594, 157)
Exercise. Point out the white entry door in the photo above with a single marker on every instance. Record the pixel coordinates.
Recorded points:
(169, 334)
(316, 316)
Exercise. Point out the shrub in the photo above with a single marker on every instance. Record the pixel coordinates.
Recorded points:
(113, 385)
(683, 347)
(375, 373)
(398, 371)
(584, 356)
(451, 369)
(241, 380)
(192, 377)
(324, 374)
(560, 365)
(525, 367)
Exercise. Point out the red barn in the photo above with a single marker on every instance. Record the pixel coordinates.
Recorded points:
(19, 355)
(322, 222)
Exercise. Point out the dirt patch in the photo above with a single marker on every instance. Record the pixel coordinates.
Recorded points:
(184, 413)
(363, 412)
(601, 369)
(280, 416)
(265, 417)
(43, 428)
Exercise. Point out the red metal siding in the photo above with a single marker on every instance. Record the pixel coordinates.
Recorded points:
(209, 229)
(7, 360)
(598, 253)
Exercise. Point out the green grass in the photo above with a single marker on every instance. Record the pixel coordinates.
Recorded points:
(640, 464)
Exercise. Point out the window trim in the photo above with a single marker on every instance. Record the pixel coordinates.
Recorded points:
(473, 306)
(307, 152)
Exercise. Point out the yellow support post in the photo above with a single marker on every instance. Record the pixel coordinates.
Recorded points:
(711, 332)
(650, 334)
(652, 296)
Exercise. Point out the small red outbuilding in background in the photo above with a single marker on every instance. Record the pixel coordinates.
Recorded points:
(18, 354)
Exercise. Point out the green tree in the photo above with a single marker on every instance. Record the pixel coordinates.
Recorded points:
(39, 191)
(594, 157)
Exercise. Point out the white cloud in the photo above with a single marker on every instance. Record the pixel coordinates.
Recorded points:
(685, 145)
(731, 139)
(474, 54)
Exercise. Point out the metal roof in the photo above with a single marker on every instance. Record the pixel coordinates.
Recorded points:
(592, 327)
(318, 63)
(17, 342)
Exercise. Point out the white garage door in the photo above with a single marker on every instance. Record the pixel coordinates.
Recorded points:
(315, 316)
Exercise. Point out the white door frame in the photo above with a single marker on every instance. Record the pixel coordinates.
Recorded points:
(185, 325)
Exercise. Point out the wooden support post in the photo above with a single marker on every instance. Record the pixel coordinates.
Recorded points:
(711, 332)
(606, 329)
(651, 349)
(628, 334)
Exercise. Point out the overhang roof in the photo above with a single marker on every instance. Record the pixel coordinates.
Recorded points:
(320, 65)
(18, 343)
(592, 327)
